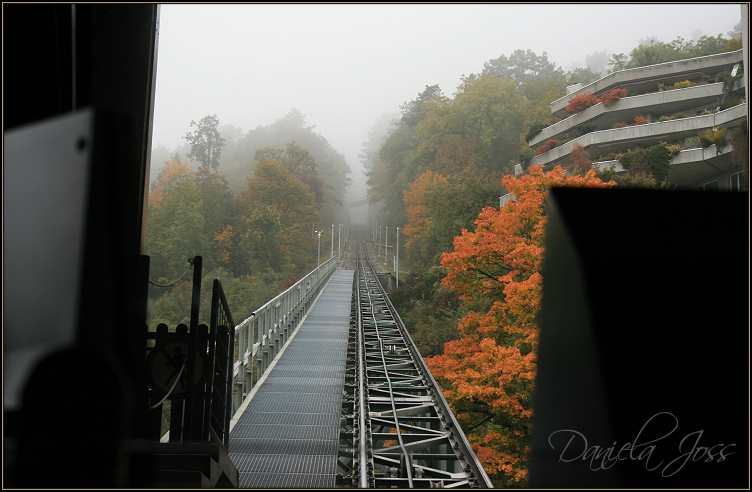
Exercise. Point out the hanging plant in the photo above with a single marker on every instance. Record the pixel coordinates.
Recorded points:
(585, 128)
(550, 144)
(613, 96)
(581, 102)
(534, 130)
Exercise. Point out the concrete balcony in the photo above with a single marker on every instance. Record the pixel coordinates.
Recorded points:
(643, 79)
(688, 169)
(695, 166)
(625, 110)
(620, 139)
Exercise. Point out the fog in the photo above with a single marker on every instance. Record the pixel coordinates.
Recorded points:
(343, 66)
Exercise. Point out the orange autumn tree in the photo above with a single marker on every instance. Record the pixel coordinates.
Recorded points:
(418, 213)
(488, 376)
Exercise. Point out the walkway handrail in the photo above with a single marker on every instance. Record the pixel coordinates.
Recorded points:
(261, 336)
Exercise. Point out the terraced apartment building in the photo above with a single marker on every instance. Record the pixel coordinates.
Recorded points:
(669, 102)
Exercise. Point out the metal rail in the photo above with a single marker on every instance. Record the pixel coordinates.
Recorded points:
(403, 432)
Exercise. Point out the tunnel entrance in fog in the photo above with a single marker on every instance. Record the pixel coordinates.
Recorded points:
(358, 211)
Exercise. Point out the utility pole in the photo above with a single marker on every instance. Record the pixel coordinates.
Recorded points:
(396, 260)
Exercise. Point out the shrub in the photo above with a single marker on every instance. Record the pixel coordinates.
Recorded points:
(580, 159)
(632, 180)
(585, 128)
(581, 102)
(713, 137)
(613, 156)
(659, 156)
(653, 161)
(730, 102)
(526, 156)
(674, 148)
(676, 116)
(636, 161)
(683, 85)
(720, 76)
(640, 120)
(692, 143)
(534, 130)
(613, 96)
(550, 144)
(619, 124)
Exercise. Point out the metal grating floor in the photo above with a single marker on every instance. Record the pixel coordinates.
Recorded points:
(288, 436)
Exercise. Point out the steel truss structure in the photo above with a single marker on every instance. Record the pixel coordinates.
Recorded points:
(397, 428)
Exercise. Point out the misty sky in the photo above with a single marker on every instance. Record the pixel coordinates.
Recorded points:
(345, 65)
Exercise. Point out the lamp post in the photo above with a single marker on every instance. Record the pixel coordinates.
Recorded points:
(332, 256)
(386, 244)
(396, 261)
(318, 257)
(379, 240)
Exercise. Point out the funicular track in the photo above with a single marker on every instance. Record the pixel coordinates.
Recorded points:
(397, 428)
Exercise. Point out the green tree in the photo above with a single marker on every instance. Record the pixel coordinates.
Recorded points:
(206, 142)
(651, 51)
(330, 166)
(708, 45)
(297, 161)
(413, 111)
(275, 192)
(488, 110)
(264, 240)
(522, 66)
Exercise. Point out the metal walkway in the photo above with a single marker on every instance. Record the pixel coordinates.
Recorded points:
(288, 435)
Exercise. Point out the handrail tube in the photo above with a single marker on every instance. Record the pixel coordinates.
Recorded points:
(262, 335)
